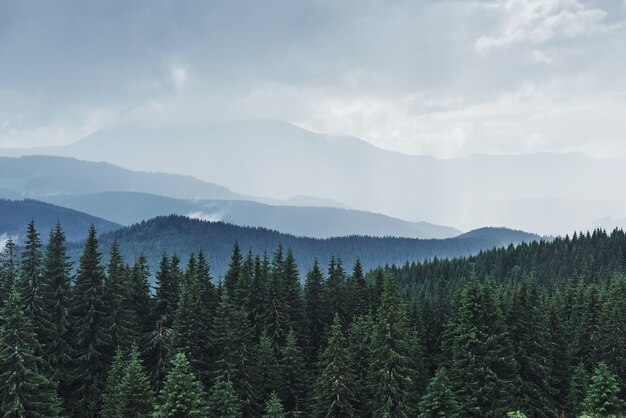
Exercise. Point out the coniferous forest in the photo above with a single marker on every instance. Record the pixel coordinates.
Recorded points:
(536, 330)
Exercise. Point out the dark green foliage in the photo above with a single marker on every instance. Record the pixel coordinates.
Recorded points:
(611, 347)
(334, 391)
(182, 395)
(577, 390)
(223, 400)
(111, 397)
(274, 408)
(360, 343)
(313, 311)
(602, 394)
(267, 369)
(359, 293)
(136, 398)
(482, 366)
(232, 274)
(25, 391)
(92, 344)
(439, 400)
(395, 372)
(55, 293)
(121, 320)
(294, 378)
(166, 294)
(8, 270)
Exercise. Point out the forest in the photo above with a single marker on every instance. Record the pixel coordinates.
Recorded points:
(533, 330)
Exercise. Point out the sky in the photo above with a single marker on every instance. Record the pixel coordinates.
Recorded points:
(436, 77)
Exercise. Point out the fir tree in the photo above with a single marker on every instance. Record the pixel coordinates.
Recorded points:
(292, 292)
(29, 283)
(612, 329)
(136, 397)
(335, 385)
(182, 395)
(112, 394)
(276, 317)
(232, 275)
(8, 270)
(394, 366)
(267, 368)
(92, 340)
(294, 379)
(602, 395)
(166, 293)
(360, 342)
(25, 391)
(313, 311)
(223, 400)
(274, 407)
(121, 321)
(139, 301)
(577, 390)
(55, 293)
(439, 400)
(157, 351)
(359, 291)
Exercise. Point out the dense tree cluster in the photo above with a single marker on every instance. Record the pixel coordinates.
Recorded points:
(490, 336)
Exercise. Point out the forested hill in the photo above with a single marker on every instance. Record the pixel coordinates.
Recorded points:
(16, 214)
(183, 235)
(594, 257)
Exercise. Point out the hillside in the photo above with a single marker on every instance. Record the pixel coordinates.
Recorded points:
(16, 214)
(318, 222)
(183, 235)
(548, 193)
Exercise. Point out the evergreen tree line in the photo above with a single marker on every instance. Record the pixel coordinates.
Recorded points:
(103, 342)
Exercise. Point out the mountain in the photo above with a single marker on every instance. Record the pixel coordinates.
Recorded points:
(550, 193)
(318, 222)
(182, 235)
(17, 214)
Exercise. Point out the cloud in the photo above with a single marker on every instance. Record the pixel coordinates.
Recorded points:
(203, 216)
(536, 22)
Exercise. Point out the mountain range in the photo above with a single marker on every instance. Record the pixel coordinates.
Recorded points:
(548, 193)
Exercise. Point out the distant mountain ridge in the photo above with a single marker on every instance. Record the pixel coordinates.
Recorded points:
(182, 235)
(549, 193)
(15, 215)
(317, 222)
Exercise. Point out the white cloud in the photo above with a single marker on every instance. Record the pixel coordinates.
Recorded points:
(538, 21)
(203, 216)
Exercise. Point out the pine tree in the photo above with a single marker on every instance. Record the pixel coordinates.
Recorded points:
(313, 311)
(92, 343)
(267, 368)
(482, 368)
(166, 293)
(274, 407)
(136, 396)
(577, 390)
(231, 339)
(29, 283)
(55, 292)
(335, 385)
(156, 352)
(276, 317)
(121, 321)
(139, 301)
(223, 400)
(25, 391)
(527, 332)
(294, 379)
(439, 400)
(612, 329)
(8, 270)
(359, 291)
(360, 342)
(112, 391)
(334, 296)
(293, 296)
(602, 394)
(232, 274)
(191, 330)
(394, 367)
(182, 395)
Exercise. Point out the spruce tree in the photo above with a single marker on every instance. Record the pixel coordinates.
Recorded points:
(294, 380)
(334, 391)
(360, 342)
(334, 296)
(577, 390)
(602, 395)
(612, 329)
(276, 318)
(92, 344)
(395, 363)
(231, 338)
(267, 368)
(139, 301)
(274, 407)
(292, 292)
(29, 283)
(8, 270)
(157, 351)
(121, 321)
(25, 391)
(482, 367)
(359, 291)
(182, 395)
(232, 274)
(136, 398)
(112, 391)
(191, 330)
(223, 401)
(439, 399)
(56, 295)
(313, 311)
(166, 293)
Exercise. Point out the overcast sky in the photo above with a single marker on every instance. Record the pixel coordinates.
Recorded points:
(439, 77)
